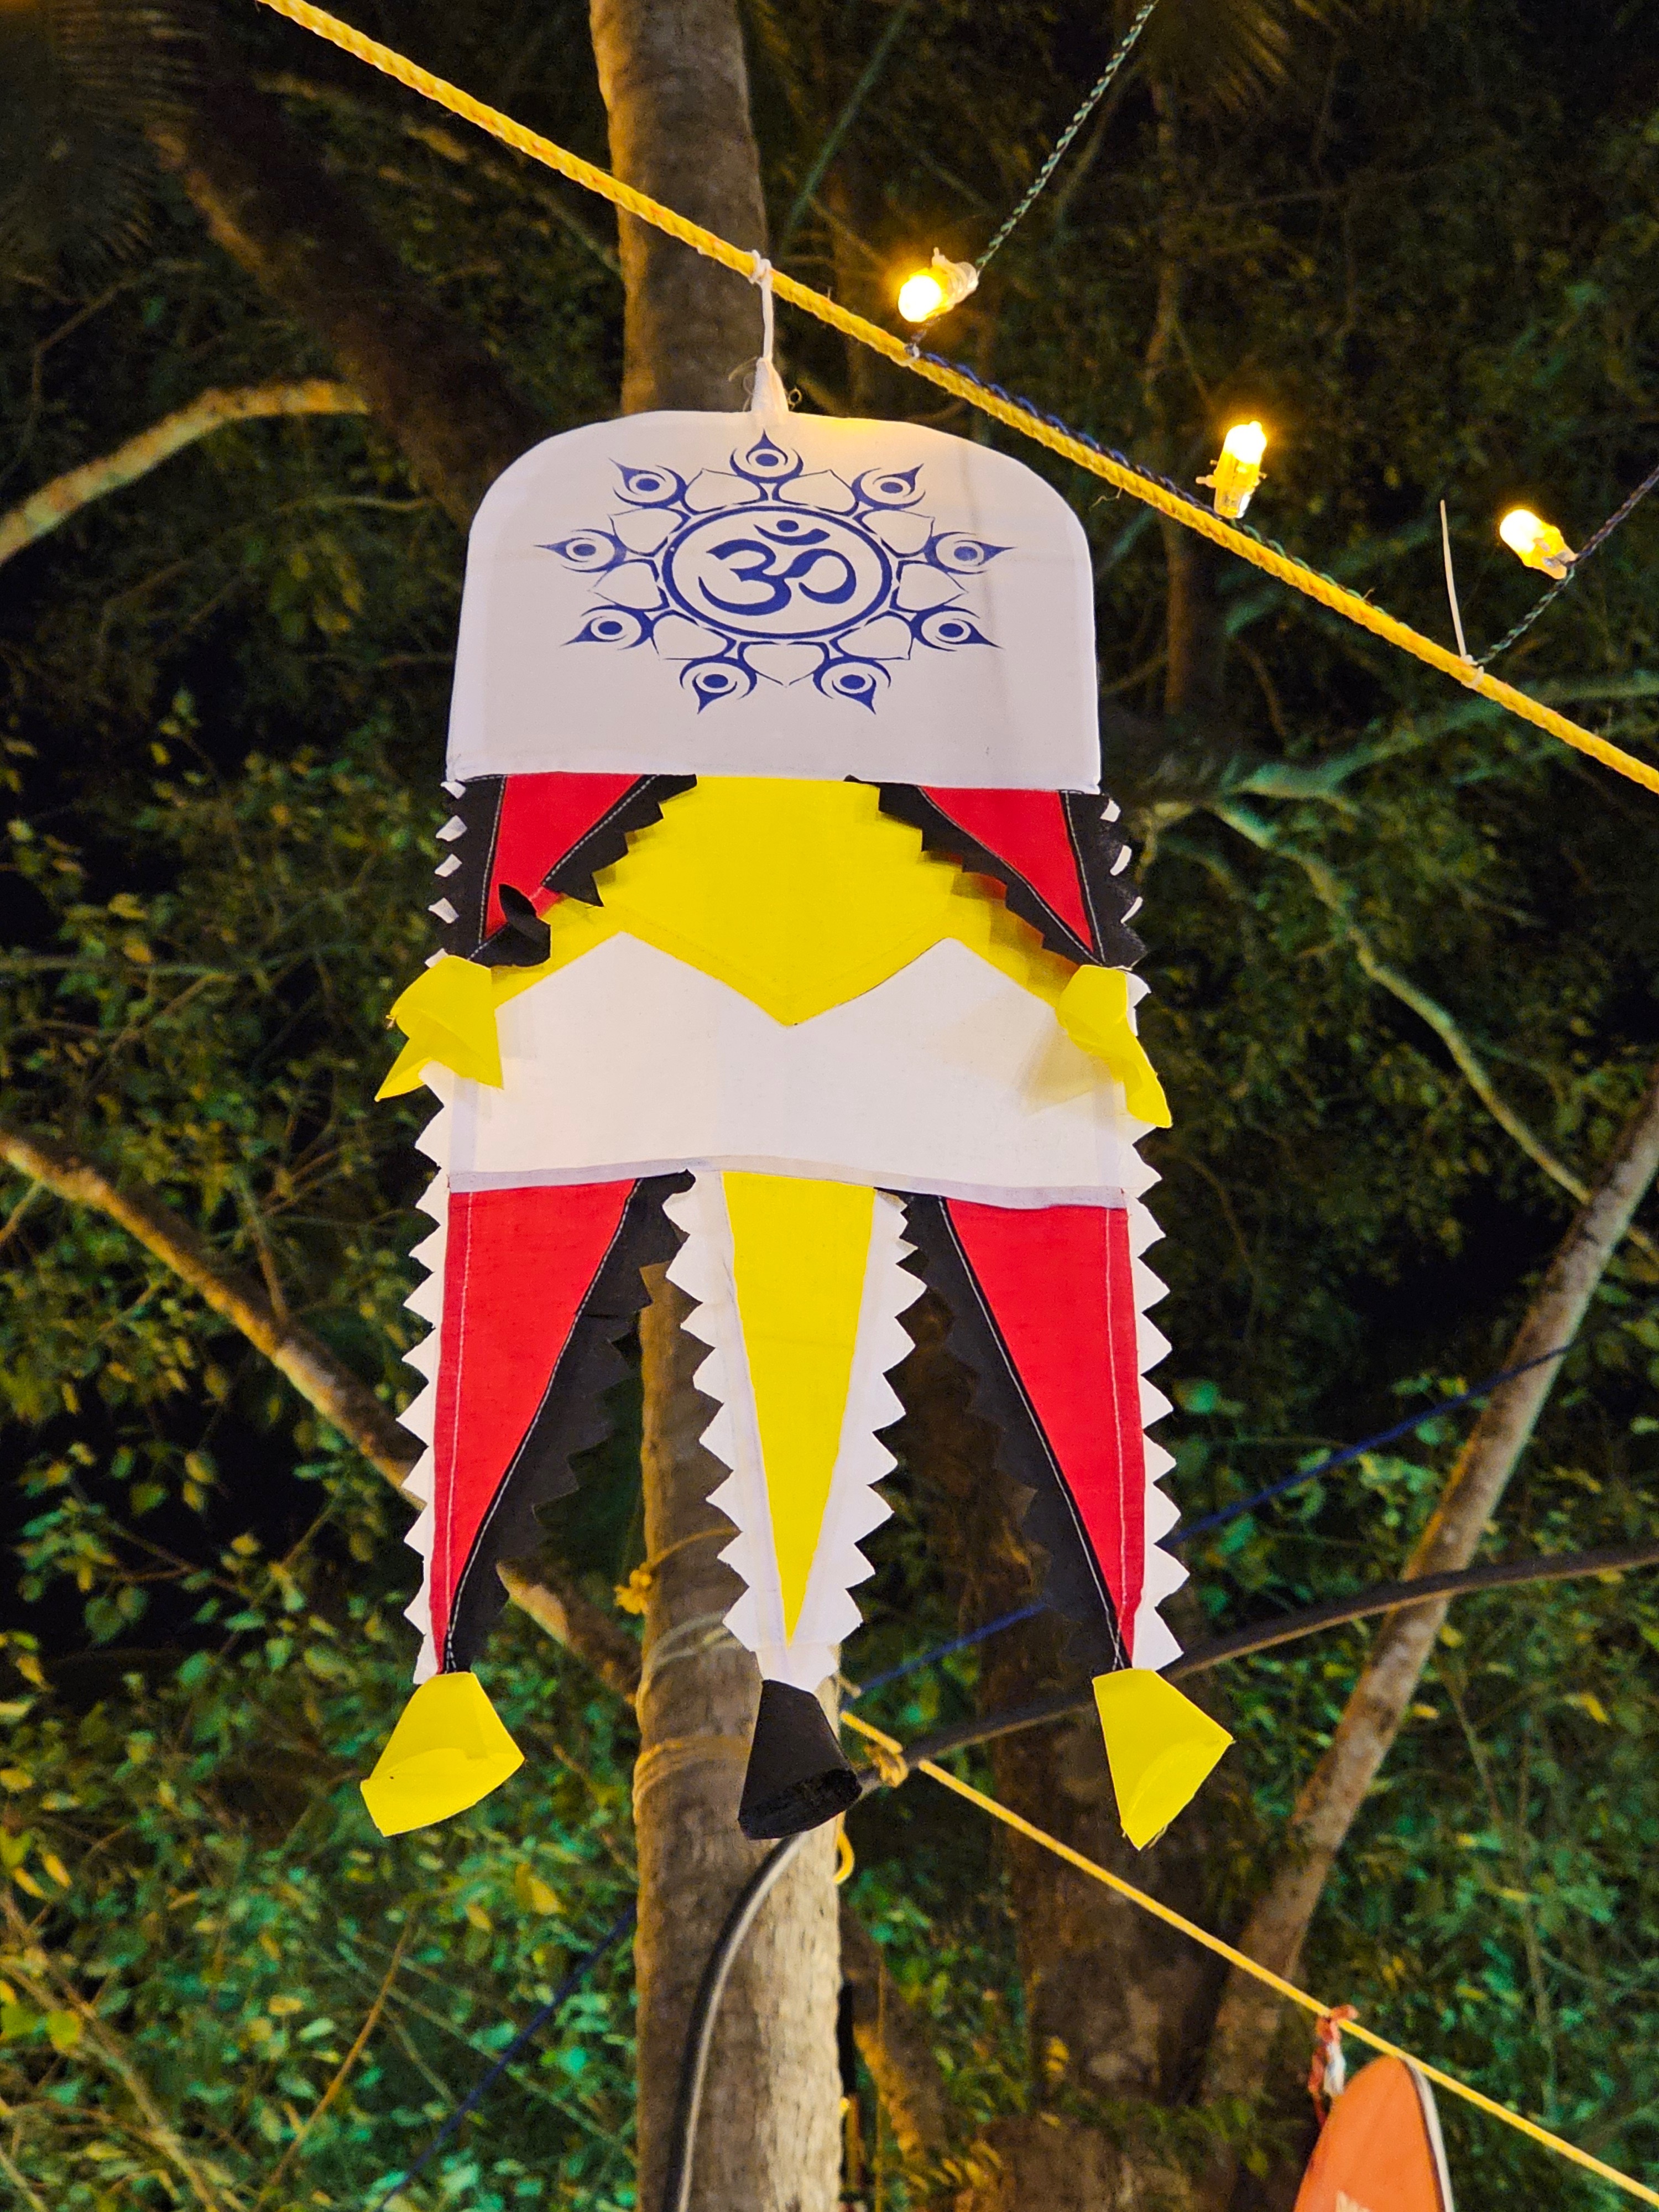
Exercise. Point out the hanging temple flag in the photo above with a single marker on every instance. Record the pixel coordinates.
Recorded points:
(1380, 2150)
(786, 940)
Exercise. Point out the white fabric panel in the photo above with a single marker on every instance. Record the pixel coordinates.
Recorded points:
(704, 1269)
(1151, 1642)
(426, 1301)
(829, 1615)
(729, 595)
(948, 1077)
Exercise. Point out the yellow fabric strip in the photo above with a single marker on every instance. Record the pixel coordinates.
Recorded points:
(802, 895)
(891, 1750)
(800, 1252)
(1295, 574)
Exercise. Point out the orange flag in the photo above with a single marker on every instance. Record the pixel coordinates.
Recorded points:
(1381, 2150)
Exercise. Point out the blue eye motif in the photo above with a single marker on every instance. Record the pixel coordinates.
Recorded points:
(590, 550)
(946, 630)
(962, 554)
(711, 681)
(888, 487)
(651, 487)
(613, 626)
(859, 682)
(766, 461)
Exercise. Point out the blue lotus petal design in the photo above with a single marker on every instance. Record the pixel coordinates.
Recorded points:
(807, 563)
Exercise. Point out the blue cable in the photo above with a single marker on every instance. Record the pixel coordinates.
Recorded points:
(1232, 1512)
(567, 1987)
(1357, 1451)
(957, 1643)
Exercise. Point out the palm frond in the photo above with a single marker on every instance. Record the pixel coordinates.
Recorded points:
(79, 80)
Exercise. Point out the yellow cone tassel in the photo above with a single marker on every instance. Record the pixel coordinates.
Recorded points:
(448, 1750)
(1094, 1013)
(449, 1014)
(1159, 1745)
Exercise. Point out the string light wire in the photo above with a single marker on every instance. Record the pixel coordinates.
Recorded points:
(1048, 430)
(1591, 545)
(1092, 98)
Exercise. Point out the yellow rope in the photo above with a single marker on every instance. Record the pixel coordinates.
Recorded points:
(889, 1750)
(1298, 577)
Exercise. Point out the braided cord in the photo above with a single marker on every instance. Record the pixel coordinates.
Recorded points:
(1021, 416)
(1092, 98)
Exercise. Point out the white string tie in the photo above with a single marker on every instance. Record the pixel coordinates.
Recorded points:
(767, 394)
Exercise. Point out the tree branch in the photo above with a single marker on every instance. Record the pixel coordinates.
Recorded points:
(322, 1380)
(1332, 893)
(1377, 1707)
(269, 202)
(44, 510)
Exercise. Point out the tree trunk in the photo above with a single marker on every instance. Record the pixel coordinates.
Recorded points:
(676, 91)
(675, 88)
(769, 2139)
(1328, 1805)
(307, 242)
(1118, 2006)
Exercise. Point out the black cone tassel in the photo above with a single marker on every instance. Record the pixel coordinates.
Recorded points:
(797, 1778)
(525, 939)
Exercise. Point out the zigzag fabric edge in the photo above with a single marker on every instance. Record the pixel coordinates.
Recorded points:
(703, 1271)
(426, 1302)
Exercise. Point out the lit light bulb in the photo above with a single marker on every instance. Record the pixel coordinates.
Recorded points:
(1238, 471)
(1539, 543)
(921, 296)
(935, 290)
(1246, 442)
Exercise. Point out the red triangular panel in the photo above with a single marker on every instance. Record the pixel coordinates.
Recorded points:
(541, 817)
(518, 1264)
(1026, 828)
(1057, 1285)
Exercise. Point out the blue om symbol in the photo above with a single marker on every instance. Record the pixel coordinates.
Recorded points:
(778, 575)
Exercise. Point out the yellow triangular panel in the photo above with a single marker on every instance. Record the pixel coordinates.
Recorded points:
(800, 1250)
(448, 1750)
(803, 895)
(449, 1014)
(1160, 1747)
(1094, 1013)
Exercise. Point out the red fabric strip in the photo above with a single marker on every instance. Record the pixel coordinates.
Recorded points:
(1058, 1284)
(1026, 828)
(518, 1264)
(541, 817)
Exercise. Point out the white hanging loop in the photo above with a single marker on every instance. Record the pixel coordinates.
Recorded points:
(767, 394)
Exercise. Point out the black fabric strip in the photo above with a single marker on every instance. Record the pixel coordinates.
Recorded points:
(479, 807)
(1075, 1585)
(571, 1417)
(1103, 873)
(941, 835)
(606, 842)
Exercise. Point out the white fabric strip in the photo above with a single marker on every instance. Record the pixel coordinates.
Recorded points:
(1151, 1642)
(948, 1077)
(419, 1417)
(704, 1271)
